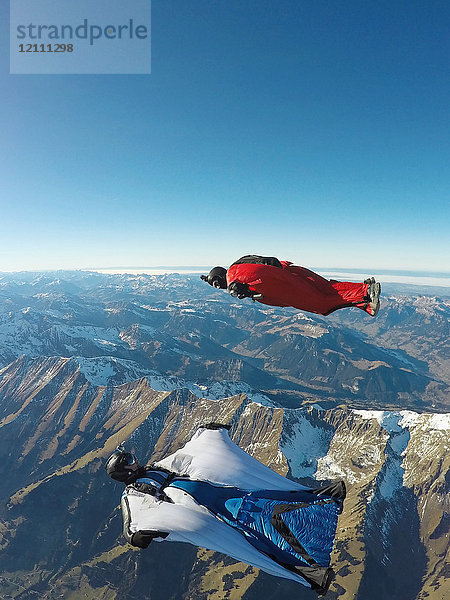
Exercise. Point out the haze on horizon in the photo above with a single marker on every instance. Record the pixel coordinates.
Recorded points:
(315, 132)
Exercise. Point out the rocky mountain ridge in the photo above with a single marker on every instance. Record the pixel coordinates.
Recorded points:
(57, 428)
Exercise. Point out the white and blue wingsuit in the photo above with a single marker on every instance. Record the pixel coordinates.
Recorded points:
(212, 494)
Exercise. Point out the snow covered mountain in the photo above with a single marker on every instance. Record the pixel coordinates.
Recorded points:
(57, 428)
(177, 328)
(88, 361)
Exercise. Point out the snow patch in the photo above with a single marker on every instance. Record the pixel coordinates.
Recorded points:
(228, 389)
(394, 421)
(441, 422)
(426, 421)
(97, 371)
(304, 446)
(329, 468)
(389, 420)
(392, 476)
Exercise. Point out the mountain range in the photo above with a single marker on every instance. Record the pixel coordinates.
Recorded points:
(120, 327)
(88, 361)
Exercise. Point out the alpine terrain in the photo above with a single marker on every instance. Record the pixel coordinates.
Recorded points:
(88, 361)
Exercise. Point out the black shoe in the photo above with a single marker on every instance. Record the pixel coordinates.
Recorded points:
(329, 576)
(374, 291)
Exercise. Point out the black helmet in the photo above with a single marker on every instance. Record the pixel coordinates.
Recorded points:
(217, 277)
(123, 466)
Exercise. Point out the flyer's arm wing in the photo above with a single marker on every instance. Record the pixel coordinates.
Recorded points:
(212, 456)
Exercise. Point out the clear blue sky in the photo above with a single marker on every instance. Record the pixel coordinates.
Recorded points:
(316, 131)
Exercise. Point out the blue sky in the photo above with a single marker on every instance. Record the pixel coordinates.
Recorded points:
(314, 131)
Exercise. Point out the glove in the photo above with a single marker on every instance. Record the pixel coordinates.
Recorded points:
(240, 290)
(143, 538)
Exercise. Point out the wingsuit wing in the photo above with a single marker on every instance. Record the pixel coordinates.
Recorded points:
(212, 456)
(185, 521)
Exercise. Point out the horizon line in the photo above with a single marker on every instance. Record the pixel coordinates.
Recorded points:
(381, 271)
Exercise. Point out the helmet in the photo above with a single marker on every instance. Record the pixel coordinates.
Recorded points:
(123, 466)
(217, 277)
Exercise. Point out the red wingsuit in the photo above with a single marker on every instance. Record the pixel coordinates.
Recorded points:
(298, 287)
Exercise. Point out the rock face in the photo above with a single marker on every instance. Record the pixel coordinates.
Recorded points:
(60, 531)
